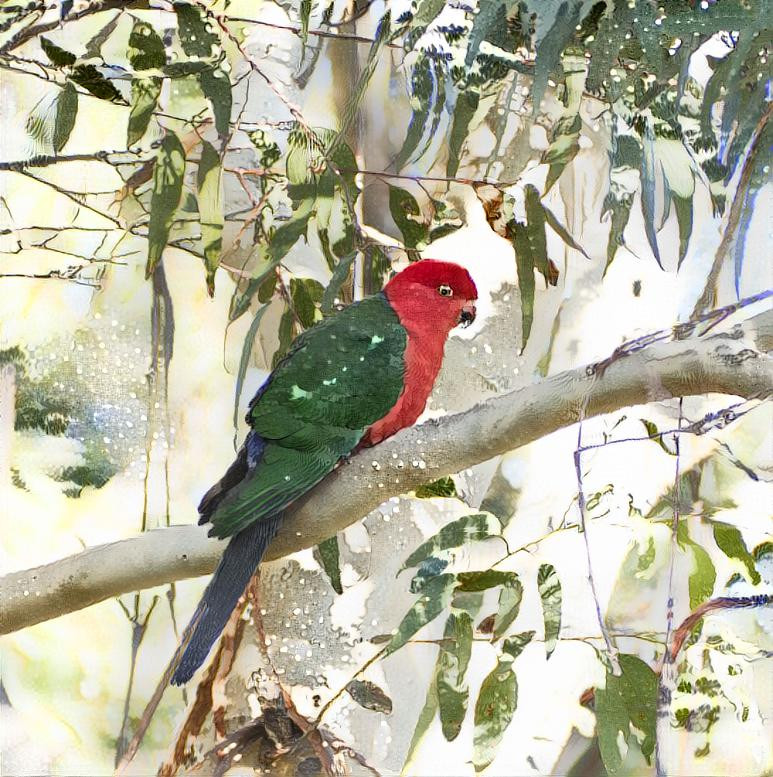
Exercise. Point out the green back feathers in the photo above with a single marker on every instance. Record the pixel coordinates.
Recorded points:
(337, 379)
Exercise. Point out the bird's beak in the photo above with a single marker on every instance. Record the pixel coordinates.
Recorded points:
(467, 315)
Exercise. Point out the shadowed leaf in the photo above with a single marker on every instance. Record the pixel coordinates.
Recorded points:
(408, 217)
(66, 111)
(466, 105)
(730, 541)
(483, 580)
(244, 360)
(167, 189)
(494, 709)
(329, 557)
(509, 605)
(444, 487)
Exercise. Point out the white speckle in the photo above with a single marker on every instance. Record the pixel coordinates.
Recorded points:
(375, 465)
(375, 340)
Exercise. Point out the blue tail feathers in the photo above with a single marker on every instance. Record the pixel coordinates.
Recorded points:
(238, 564)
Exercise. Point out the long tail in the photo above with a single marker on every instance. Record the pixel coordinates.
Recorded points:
(238, 564)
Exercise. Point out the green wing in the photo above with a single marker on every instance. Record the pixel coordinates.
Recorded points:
(338, 378)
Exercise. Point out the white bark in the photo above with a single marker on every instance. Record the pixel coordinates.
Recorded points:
(733, 362)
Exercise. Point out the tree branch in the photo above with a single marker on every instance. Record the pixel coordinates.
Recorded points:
(735, 362)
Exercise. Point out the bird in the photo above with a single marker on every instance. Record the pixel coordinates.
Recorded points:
(349, 382)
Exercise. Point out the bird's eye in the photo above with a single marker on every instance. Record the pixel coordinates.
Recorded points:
(445, 291)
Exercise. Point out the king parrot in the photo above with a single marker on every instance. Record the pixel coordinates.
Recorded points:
(352, 380)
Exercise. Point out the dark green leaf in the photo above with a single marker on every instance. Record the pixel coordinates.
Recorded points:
(306, 294)
(435, 597)
(549, 587)
(730, 541)
(244, 360)
(494, 709)
(210, 201)
(145, 92)
(66, 111)
(196, 35)
(683, 208)
(702, 578)
(455, 534)
(94, 82)
(429, 568)
(466, 105)
(535, 229)
(620, 211)
(611, 722)
(369, 696)
(330, 561)
(240, 303)
(57, 56)
(483, 580)
(286, 334)
(146, 49)
(444, 487)
(167, 189)
(305, 17)
(515, 645)
(640, 692)
(451, 666)
(524, 263)
(408, 218)
(339, 277)
(288, 233)
(509, 605)
(216, 86)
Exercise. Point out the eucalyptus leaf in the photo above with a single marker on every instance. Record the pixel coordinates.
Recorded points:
(484, 579)
(549, 587)
(434, 598)
(244, 360)
(452, 663)
(66, 111)
(329, 557)
(494, 710)
(369, 696)
(466, 105)
(144, 99)
(408, 217)
(730, 541)
(168, 173)
(210, 202)
(509, 606)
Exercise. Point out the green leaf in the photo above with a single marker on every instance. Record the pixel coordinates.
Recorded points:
(240, 303)
(421, 93)
(286, 333)
(168, 175)
(94, 82)
(562, 231)
(640, 693)
(66, 111)
(620, 210)
(444, 487)
(612, 722)
(648, 195)
(653, 432)
(702, 578)
(196, 36)
(56, 55)
(509, 605)
(369, 696)
(288, 233)
(146, 49)
(535, 229)
(435, 597)
(145, 93)
(210, 201)
(244, 360)
(337, 280)
(408, 218)
(455, 534)
(466, 104)
(683, 208)
(494, 709)
(524, 263)
(306, 294)
(452, 663)
(216, 86)
(549, 587)
(305, 18)
(730, 541)
(330, 561)
(426, 716)
(484, 579)
(515, 645)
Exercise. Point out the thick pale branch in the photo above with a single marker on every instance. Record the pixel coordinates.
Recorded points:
(734, 362)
